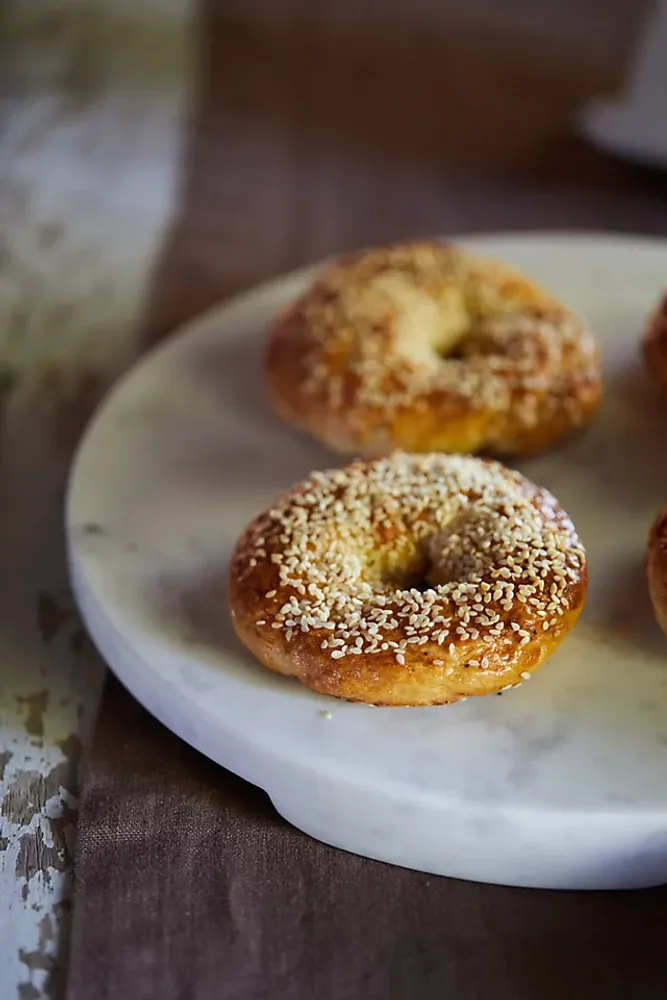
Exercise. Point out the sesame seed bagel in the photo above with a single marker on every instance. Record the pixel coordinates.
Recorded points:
(655, 343)
(410, 580)
(425, 347)
(656, 567)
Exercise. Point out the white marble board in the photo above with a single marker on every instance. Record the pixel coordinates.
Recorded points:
(561, 783)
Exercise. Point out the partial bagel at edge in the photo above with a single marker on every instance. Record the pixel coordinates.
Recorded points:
(656, 567)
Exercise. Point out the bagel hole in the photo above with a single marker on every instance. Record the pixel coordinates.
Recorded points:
(448, 344)
(408, 574)
(454, 353)
(420, 582)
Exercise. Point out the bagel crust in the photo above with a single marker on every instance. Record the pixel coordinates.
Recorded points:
(655, 343)
(656, 567)
(410, 580)
(425, 347)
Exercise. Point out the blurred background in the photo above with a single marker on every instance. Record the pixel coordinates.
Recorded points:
(330, 127)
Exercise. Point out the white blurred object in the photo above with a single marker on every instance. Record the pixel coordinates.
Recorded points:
(635, 126)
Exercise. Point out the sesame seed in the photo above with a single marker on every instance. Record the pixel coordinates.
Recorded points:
(525, 675)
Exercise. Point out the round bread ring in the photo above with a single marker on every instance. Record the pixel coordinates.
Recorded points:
(655, 343)
(656, 567)
(410, 580)
(425, 347)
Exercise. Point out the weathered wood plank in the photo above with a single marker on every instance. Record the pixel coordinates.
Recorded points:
(92, 131)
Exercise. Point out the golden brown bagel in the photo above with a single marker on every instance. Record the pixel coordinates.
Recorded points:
(410, 580)
(425, 347)
(656, 567)
(655, 343)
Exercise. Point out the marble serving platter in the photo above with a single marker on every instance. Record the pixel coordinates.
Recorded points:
(560, 783)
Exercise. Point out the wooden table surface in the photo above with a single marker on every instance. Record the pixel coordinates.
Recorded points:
(155, 158)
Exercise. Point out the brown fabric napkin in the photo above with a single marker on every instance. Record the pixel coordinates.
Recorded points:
(189, 885)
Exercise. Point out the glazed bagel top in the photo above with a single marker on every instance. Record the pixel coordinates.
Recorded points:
(379, 559)
(394, 334)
